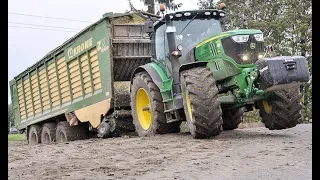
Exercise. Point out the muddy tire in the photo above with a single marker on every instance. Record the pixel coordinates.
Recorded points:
(106, 128)
(48, 133)
(283, 110)
(65, 132)
(34, 135)
(200, 95)
(148, 109)
(232, 118)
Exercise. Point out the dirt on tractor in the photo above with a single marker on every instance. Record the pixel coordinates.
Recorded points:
(249, 153)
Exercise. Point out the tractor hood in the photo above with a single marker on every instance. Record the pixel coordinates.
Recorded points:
(229, 34)
(243, 46)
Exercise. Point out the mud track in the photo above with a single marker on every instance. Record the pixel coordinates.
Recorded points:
(253, 153)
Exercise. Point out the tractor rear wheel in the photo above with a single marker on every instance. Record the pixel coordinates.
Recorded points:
(283, 110)
(148, 109)
(232, 118)
(200, 100)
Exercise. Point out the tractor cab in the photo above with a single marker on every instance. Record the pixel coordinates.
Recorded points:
(191, 28)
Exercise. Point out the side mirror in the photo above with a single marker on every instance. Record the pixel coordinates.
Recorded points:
(148, 26)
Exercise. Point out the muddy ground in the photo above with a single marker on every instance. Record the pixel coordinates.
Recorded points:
(251, 153)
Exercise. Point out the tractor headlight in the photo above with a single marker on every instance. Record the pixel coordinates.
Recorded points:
(258, 37)
(260, 56)
(240, 38)
(244, 57)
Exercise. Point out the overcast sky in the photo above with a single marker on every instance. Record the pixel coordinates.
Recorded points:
(27, 46)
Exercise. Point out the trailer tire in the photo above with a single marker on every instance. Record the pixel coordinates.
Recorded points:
(200, 95)
(48, 133)
(65, 132)
(232, 118)
(34, 135)
(148, 109)
(283, 110)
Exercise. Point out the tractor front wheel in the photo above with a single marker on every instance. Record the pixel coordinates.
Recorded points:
(148, 109)
(200, 100)
(282, 110)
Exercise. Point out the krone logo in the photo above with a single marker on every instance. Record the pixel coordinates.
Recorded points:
(75, 51)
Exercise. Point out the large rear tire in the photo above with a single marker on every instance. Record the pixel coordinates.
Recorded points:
(200, 100)
(34, 135)
(232, 118)
(283, 110)
(48, 133)
(65, 132)
(148, 109)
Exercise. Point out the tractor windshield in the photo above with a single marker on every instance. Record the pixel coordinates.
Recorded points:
(196, 31)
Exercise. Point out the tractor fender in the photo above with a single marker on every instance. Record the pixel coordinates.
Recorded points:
(192, 65)
(155, 72)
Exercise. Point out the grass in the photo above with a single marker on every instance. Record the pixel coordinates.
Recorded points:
(17, 137)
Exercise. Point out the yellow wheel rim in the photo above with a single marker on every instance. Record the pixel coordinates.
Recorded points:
(267, 107)
(143, 108)
(188, 105)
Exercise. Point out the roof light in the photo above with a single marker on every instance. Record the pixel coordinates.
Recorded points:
(207, 13)
(178, 15)
(187, 13)
(222, 5)
(162, 7)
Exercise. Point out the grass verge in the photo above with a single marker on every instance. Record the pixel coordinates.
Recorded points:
(17, 137)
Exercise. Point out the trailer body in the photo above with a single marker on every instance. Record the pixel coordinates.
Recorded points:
(87, 76)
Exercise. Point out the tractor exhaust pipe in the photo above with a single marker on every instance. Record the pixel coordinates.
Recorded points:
(174, 58)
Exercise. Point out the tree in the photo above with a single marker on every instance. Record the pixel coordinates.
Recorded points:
(206, 4)
(10, 117)
(168, 3)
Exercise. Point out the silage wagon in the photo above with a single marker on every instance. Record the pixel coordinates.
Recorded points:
(83, 82)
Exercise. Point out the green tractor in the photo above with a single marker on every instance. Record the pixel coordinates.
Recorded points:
(209, 77)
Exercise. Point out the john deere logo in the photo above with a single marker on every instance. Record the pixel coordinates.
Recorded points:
(252, 45)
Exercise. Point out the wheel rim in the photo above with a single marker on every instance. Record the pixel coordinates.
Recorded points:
(33, 139)
(188, 105)
(267, 107)
(143, 108)
(46, 139)
(62, 137)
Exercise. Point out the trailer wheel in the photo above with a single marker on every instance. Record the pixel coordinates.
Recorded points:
(48, 133)
(148, 109)
(202, 110)
(283, 110)
(34, 135)
(65, 132)
(232, 118)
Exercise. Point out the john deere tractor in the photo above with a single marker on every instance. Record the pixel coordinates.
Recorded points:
(209, 77)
